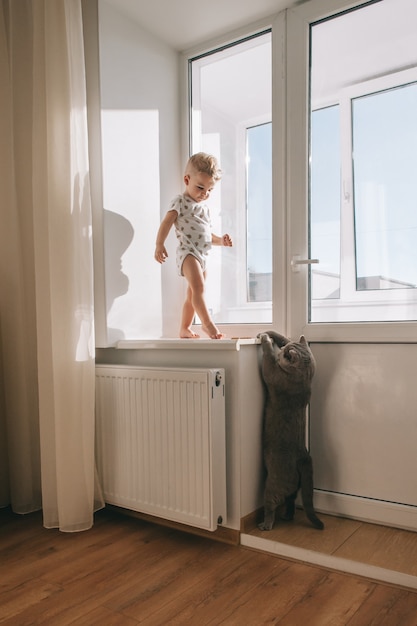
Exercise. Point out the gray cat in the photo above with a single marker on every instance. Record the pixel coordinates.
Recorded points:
(287, 370)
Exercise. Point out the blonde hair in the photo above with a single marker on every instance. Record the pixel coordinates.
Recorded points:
(205, 164)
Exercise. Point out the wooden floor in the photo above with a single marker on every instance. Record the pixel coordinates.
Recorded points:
(125, 571)
(372, 547)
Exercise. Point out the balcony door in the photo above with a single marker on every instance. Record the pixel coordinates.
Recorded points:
(351, 206)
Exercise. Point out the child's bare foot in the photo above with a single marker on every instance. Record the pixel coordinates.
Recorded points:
(187, 333)
(212, 331)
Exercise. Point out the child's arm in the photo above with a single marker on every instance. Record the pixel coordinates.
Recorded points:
(224, 240)
(163, 232)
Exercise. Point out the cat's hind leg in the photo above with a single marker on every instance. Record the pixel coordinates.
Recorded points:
(288, 511)
(305, 468)
(271, 502)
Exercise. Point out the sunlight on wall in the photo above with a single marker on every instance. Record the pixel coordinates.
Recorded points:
(130, 148)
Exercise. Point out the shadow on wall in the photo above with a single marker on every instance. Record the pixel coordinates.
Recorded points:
(118, 235)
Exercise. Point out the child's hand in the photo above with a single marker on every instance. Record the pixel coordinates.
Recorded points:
(160, 253)
(227, 241)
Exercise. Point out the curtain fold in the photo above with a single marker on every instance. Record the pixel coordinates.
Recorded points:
(46, 314)
(17, 293)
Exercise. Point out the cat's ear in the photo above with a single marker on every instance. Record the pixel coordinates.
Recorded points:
(303, 340)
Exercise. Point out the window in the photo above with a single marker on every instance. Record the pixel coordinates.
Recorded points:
(384, 141)
(230, 117)
(363, 159)
(325, 201)
(259, 213)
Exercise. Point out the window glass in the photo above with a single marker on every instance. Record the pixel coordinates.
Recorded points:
(259, 213)
(363, 159)
(385, 164)
(230, 117)
(325, 202)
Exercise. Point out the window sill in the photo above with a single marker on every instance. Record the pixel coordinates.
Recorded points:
(186, 344)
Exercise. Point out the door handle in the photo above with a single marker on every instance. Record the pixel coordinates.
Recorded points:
(296, 261)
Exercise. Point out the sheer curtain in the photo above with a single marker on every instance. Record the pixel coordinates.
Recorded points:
(46, 289)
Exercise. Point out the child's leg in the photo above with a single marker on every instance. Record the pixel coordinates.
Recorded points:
(187, 318)
(196, 282)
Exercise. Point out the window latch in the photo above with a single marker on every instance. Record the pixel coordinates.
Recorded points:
(296, 261)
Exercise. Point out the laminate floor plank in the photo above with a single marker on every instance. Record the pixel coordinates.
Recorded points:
(301, 533)
(332, 603)
(25, 598)
(204, 598)
(391, 548)
(126, 571)
(176, 579)
(62, 568)
(104, 617)
(89, 583)
(275, 596)
(383, 608)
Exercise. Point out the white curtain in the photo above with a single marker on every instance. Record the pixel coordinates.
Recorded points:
(46, 289)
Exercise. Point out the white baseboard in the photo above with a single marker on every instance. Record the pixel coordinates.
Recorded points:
(366, 510)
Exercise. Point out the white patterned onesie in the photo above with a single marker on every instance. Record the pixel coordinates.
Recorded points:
(193, 230)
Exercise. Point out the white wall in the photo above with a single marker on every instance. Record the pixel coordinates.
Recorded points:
(141, 171)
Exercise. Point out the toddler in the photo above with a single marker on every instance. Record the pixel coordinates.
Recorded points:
(191, 218)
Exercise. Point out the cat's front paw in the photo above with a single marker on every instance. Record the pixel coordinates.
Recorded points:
(264, 337)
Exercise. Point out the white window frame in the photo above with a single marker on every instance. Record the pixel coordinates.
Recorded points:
(351, 300)
(241, 143)
(295, 66)
(244, 329)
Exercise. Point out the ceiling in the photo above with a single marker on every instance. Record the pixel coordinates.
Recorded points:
(183, 24)
(355, 48)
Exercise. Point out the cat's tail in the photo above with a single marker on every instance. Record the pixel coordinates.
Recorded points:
(305, 468)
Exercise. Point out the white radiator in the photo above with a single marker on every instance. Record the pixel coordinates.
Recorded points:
(161, 443)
